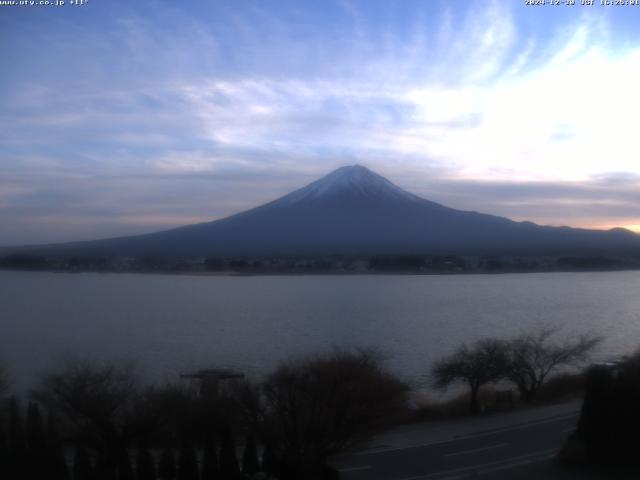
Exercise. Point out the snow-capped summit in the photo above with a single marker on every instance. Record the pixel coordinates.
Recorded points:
(350, 181)
(353, 210)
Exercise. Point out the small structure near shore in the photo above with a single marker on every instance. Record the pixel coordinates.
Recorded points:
(207, 381)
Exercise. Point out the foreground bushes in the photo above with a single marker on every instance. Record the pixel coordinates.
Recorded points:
(30, 449)
(114, 428)
(610, 419)
(311, 409)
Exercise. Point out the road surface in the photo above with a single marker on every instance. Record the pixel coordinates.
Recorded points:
(521, 450)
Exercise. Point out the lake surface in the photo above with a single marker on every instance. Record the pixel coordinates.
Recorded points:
(172, 323)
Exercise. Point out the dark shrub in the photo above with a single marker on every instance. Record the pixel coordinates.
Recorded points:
(167, 469)
(610, 418)
(310, 409)
(145, 466)
(82, 468)
(250, 464)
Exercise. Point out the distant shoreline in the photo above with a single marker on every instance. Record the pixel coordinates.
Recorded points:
(314, 274)
(401, 264)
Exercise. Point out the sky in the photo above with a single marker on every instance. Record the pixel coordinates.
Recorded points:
(120, 117)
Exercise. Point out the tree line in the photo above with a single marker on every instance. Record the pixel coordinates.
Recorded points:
(34, 449)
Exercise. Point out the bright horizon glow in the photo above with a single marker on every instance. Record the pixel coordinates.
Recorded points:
(120, 119)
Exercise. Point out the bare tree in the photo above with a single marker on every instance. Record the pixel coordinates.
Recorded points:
(310, 409)
(103, 404)
(534, 356)
(483, 362)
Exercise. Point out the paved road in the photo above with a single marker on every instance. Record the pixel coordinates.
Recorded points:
(519, 451)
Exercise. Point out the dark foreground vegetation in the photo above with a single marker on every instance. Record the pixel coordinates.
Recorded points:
(88, 421)
(607, 431)
(335, 264)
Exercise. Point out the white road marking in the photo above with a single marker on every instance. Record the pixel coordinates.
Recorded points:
(466, 437)
(486, 467)
(519, 463)
(481, 449)
(355, 469)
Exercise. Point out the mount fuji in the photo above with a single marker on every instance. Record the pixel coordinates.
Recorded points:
(355, 211)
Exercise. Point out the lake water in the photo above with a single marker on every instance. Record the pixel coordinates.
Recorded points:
(173, 323)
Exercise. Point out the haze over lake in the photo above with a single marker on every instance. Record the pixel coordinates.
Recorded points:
(172, 323)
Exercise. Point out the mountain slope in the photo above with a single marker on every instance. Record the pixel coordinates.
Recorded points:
(355, 211)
